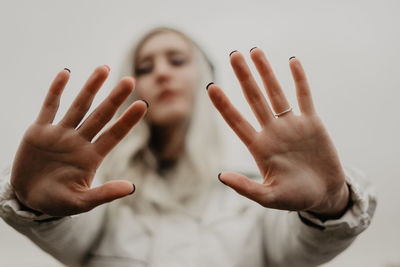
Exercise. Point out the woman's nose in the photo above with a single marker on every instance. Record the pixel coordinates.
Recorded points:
(162, 70)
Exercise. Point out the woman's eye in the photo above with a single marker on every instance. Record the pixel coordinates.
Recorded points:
(143, 69)
(177, 60)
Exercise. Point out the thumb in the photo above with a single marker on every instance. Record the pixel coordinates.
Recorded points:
(108, 192)
(246, 187)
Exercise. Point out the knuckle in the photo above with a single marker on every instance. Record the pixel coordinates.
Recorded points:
(114, 102)
(81, 204)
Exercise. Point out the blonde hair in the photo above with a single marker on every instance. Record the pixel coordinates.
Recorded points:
(195, 172)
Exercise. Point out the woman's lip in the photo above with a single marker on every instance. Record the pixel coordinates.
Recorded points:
(167, 94)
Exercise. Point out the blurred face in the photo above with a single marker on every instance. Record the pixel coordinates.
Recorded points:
(166, 78)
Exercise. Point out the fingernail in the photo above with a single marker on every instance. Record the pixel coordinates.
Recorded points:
(253, 48)
(67, 70)
(133, 190)
(291, 57)
(147, 104)
(209, 85)
(219, 178)
(107, 67)
(232, 52)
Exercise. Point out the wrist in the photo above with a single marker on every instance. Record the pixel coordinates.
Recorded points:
(336, 206)
(26, 208)
(23, 206)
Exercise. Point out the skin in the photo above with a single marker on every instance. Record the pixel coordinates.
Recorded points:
(296, 157)
(57, 162)
(294, 153)
(167, 78)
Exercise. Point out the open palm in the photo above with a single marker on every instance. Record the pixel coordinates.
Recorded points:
(294, 153)
(55, 164)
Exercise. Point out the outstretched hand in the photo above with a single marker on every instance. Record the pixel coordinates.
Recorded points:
(298, 162)
(55, 163)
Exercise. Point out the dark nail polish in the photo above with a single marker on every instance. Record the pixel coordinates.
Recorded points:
(209, 85)
(67, 70)
(253, 48)
(232, 52)
(219, 178)
(147, 104)
(291, 57)
(133, 190)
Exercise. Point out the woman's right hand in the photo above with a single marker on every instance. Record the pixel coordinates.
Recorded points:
(55, 163)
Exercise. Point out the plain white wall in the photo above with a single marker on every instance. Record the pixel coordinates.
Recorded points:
(350, 50)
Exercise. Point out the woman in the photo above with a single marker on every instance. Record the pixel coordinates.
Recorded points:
(179, 215)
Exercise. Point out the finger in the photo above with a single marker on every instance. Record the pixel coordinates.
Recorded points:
(231, 115)
(106, 110)
(52, 100)
(105, 193)
(112, 136)
(275, 94)
(303, 91)
(85, 97)
(257, 192)
(253, 94)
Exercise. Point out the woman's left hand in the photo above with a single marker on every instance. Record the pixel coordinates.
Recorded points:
(299, 164)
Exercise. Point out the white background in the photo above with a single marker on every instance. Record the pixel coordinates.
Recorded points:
(350, 50)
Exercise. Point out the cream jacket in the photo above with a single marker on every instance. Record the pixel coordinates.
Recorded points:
(231, 231)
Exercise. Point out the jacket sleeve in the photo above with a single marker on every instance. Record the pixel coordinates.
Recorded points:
(300, 239)
(68, 239)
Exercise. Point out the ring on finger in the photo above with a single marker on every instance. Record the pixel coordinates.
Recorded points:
(283, 112)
